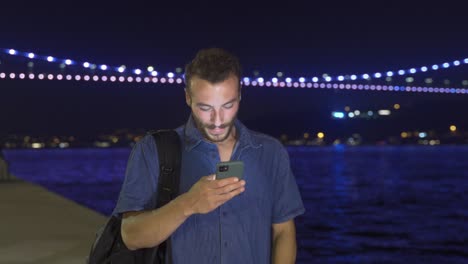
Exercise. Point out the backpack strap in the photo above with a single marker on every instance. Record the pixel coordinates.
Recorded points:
(169, 155)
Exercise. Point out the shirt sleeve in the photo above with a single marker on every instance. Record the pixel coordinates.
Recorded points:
(139, 189)
(287, 199)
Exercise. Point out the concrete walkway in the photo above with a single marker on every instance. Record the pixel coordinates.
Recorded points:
(37, 226)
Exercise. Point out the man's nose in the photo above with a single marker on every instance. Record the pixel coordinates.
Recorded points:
(217, 117)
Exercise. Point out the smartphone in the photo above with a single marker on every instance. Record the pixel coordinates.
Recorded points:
(230, 169)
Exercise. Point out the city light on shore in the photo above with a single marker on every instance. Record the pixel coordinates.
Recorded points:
(338, 114)
(37, 145)
(384, 112)
(453, 128)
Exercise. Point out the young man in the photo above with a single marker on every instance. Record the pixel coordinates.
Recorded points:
(214, 221)
(4, 174)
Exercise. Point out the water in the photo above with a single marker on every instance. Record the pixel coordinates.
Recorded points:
(383, 205)
(364, 204)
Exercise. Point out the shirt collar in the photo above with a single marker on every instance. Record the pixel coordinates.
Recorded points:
(193, 136)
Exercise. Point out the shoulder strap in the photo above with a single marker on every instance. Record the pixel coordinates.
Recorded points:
(169, 155)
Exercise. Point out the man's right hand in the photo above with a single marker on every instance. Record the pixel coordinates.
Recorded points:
(145, 229)
(208, 194)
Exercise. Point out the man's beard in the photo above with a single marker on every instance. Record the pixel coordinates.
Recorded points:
(202, 127)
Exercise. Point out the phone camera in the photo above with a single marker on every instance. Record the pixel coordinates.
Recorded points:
(223, 168)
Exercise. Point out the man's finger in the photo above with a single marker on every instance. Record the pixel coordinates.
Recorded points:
(228, 196)
(210, 177)
(221, 183)
(230, 187)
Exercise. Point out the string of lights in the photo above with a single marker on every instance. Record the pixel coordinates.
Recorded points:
(150, 71)
(179, 80)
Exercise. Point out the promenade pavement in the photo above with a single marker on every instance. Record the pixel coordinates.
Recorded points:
(38, 226)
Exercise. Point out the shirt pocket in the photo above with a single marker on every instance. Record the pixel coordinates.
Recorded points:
(250, 203)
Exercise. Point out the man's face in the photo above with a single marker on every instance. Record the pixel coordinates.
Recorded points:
(214, 106)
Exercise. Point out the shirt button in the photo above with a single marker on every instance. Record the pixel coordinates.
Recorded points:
(224, 214)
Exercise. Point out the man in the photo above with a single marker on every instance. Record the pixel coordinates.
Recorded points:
(214, 221)
(4, 174)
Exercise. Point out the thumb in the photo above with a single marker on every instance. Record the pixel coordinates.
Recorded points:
(211, 177)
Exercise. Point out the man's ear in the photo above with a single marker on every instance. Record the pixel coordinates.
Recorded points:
(188, 99)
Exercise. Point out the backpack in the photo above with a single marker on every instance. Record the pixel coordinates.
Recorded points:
(108, 247)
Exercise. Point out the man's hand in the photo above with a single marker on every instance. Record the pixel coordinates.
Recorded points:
(208, 194)
(149, 228)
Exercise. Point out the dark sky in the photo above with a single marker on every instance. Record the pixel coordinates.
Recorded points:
(300, 38)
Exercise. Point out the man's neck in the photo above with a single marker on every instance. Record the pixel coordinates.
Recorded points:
(226, 147)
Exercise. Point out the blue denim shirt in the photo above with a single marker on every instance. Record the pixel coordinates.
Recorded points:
(240, 230)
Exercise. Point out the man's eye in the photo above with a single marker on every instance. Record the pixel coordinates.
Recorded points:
(230, 105)
(205, 108)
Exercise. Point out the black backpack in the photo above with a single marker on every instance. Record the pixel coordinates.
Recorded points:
(108, 247)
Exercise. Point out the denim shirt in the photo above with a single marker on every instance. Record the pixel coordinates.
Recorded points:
(238, 231)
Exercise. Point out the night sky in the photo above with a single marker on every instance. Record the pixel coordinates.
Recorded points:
(299, 38)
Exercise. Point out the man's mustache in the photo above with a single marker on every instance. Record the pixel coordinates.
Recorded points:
(214, 126)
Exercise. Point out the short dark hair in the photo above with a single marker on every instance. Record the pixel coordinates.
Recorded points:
(213, 65)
